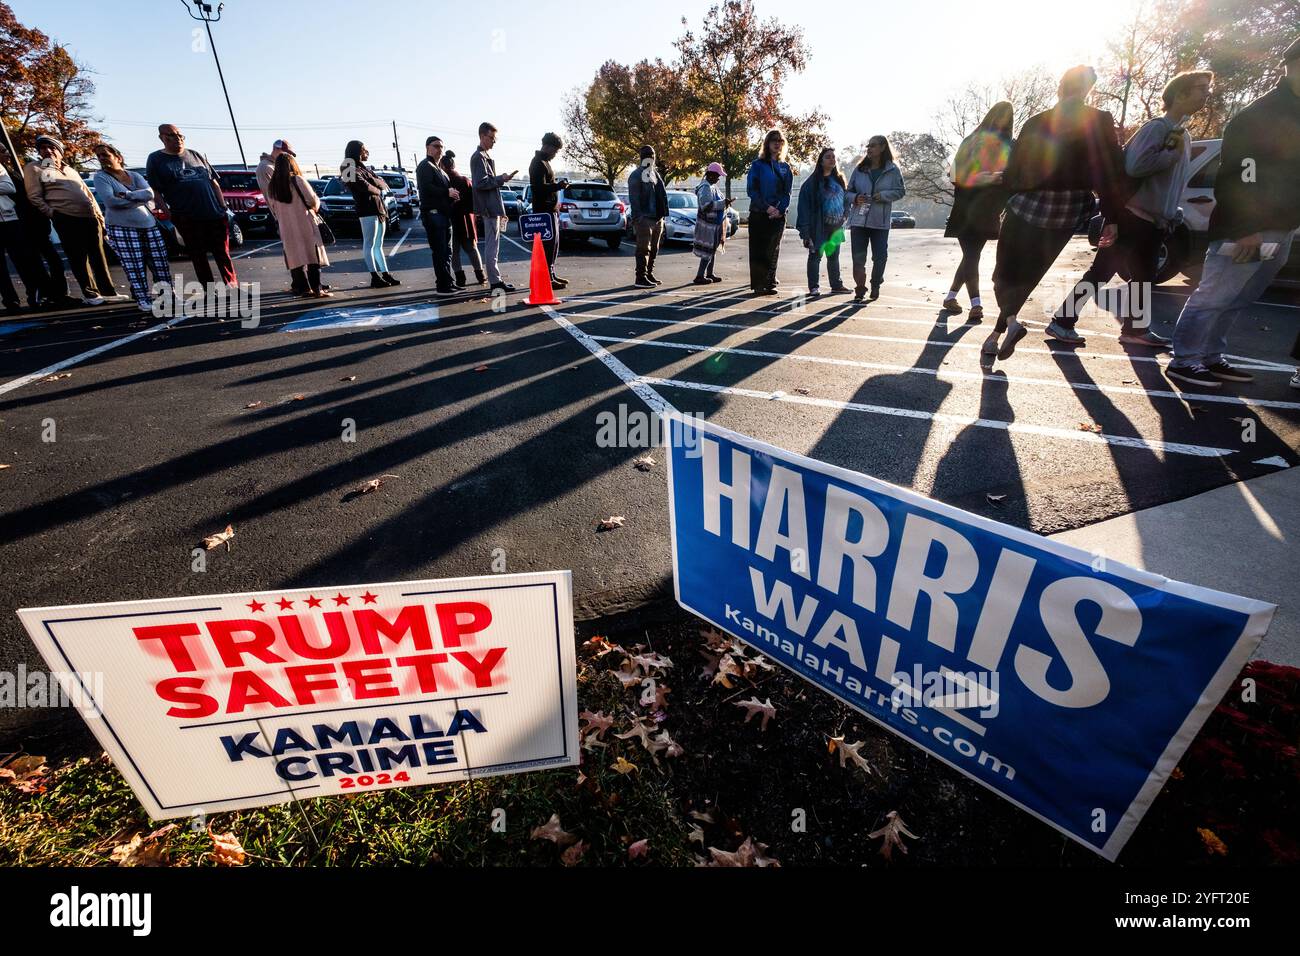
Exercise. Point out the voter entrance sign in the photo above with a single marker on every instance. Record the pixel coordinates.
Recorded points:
(241, 700)
(1069, 685)
(537, 224)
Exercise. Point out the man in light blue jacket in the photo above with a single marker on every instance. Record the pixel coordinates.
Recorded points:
(876, 184)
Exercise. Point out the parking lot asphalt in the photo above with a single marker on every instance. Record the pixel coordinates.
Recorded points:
(130, 438)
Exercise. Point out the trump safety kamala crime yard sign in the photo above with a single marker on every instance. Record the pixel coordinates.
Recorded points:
(1068, 684)
(240, 700)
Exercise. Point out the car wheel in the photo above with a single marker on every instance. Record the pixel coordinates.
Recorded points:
(236, 236)
(614, 242)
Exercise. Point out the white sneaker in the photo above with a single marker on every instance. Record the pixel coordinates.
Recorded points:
(117, 297)
(93, 300)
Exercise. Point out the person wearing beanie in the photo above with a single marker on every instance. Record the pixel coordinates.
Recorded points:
(1255, 218)
(546, 193)
(649, 201)
(58, 192)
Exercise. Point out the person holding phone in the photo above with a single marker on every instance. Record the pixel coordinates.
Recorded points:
(648, 199)
(710, 223)
(1254, 220)
(546, 193)
(488, 203)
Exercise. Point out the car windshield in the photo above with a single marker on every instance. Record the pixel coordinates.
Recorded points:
(585, 192)
(395, 182)
(682, 201)
(508, 196)
(246, 182)
(336, 187)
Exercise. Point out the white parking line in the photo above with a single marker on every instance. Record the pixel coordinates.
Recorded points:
(1122, 441)
(77, 359)
(257, 249)
(942, 374)
(400, 241)
(647, 394)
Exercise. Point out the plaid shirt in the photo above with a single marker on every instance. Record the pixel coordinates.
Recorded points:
(1056, 209)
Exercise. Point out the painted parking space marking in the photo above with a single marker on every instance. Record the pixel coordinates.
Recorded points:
(362, 318)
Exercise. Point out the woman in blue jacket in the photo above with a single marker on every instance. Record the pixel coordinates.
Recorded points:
(769, 186)
(820, 221)
(876, 184)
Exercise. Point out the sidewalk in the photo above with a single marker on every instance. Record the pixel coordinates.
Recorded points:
(1241, 538)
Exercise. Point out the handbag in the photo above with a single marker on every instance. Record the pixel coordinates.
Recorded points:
(326, 233)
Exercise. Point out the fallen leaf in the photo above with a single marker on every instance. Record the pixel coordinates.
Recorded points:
(644, 463)
(374, 484)
(748, 853)
(1089, 427)
(696, 835)
(226, 849)
(299, 398)
(220, 538)
(144, 849)
(597, 722)
(255, 404)
(641, 729)
(573, 854)
(610, 523)
(668, 746)
(626, 679)
(25, 774)
(482, 368)
(3, 467)
(1212, 842)
(348, 378)
(893, 831)
(623, 766)
(727, 668)
(1176, 774)
(802, 391)
(995, 499)
(55, 378)
(638, 849)
(652, 661)
(755, 706)
(848, 752)
(551, 830)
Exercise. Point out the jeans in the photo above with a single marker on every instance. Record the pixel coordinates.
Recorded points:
(1025, 253)
(14, 241)
(764, 249)
(372, 243)
(649, 233)
(878, 239)
(83, 244)
(1138, 245)
(832, 267)
(1226, 291)
(437, 227)
(491, 248)
(203, 236)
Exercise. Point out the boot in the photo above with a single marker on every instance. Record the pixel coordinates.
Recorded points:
(377, 281)
(642, 280)
(460, 278)
(650, 271)
(389, 280)
(480, 275)
(558, 283)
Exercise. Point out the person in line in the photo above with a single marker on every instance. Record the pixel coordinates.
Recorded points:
(647, 199)
(14, 242)
(464, 234)
(1255, 218)
(187, 188)
(1062, 156)
(820, 218)
(488, 202)
(295, 204)
(710, 223)
(768, 186)
(874, 187)
(978, 198)
(265, 170)
(546, 193)
(1158, 157)
(368, 193)
(58, 192)
(133, 232)
(36, 228)
(437, 205)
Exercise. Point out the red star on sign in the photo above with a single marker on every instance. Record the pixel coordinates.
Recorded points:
(313, 601)
(340, 600)
(255, 606)
(370, 598)
(284, 603)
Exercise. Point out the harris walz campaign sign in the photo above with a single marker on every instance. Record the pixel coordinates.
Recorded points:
(1065, 683)
(241, 700)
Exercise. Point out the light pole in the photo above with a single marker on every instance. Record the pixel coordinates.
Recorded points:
(204, 13)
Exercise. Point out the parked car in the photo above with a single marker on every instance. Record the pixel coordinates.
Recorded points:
(683, 207)
(592, 210)
(171, 238)
(899, 219)
(244, 198)
(339, 209)
(402, 188)
(514, 203)
(1183, 250)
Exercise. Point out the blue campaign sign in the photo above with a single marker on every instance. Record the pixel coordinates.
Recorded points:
(1067, 684)
(537, 224)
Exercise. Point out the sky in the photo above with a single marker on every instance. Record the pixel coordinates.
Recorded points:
(324, 72)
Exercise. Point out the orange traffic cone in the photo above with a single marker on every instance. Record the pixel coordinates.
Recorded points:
(539, 278)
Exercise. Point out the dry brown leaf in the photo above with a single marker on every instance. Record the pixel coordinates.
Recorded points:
(597, 722)
(3, 467)
(226, 849)
(1212, 842)
(641, 729)
(374, 484)
(727, 668)
(638, 849)
(1089, 427)
(652, 661)
(627, 680)
(669, 747)
(696, 835)
(551, 830)
(849, 751)
(610, 523)
(893, 831)
(25, 774)
(255, 404)
(220, 538)
(573, 854)
(300, 398)
(144, 849)
(55, 378)
(755, 706)
(644, 463)
(802, 391)
(623, 766)
(348, 378)
(482, 368)
(749, 853)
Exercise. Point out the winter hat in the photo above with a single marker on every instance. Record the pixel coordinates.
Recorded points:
(50, 141)
(715, 168)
